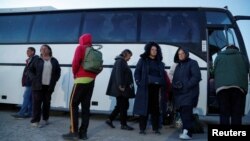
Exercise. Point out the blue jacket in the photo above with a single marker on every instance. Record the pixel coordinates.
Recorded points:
(141, 78)
(187, 74)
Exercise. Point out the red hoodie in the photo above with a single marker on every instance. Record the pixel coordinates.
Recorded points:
(78, 71)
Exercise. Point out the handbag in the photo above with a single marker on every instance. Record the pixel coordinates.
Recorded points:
(155, 80)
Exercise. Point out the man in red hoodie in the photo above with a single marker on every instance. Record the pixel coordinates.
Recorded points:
(81, 92)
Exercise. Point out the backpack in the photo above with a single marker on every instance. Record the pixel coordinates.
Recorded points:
(93, 60)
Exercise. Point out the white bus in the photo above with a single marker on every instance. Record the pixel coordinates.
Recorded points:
(205, 31)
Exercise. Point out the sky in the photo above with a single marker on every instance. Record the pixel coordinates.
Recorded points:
(237, 7)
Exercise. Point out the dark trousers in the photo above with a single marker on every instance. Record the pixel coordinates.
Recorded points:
(163, 107)
(153, 108)
(186, 113)
(81, 94)
(121, 107)
(232, 106)
(41, 104)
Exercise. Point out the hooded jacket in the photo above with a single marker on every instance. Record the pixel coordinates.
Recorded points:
(141, 78)
(231, 69)
(121, 75)
(78, 71)
(187, 76)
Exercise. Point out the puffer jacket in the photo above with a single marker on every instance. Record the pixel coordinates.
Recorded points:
(185, 82)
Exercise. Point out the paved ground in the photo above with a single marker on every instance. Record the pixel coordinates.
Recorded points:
(20, 130)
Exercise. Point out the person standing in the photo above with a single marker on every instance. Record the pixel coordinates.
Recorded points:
(149, 77)
(44, 73)
(121, 86)
(26, 109)
(81, 92)
(231, 83)
(185, 86)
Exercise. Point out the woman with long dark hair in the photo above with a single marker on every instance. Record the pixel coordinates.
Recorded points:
(149, 77)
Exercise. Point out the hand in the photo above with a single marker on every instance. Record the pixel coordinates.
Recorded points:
(177, 85)
(121, 88)
(137, 82)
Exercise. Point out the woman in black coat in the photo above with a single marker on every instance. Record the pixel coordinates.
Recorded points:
(121, 86)
(44, 72)
(185, 85)
(150, 80)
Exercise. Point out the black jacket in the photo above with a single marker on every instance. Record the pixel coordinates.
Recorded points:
(36, 70)
(186, 79)
(121, 75)
(26, 81)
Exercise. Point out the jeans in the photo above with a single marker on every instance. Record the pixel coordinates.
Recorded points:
(26, 109)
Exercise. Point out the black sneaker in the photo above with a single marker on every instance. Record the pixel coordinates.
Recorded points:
(16, 116)
(109, 122)
(70, 136)
(83, 136)
(157, 132)
(142, 132)
(126, 127)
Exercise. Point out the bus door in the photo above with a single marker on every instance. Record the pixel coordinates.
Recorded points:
(217, 39)
(244, 24)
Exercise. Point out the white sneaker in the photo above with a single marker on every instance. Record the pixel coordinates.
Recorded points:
(184, 135)
(36, 124)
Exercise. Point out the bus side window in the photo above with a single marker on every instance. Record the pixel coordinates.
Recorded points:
(155, 26)
(94, 24)
(124, 27)
(180, 29)
(53, 24)
(15, 29)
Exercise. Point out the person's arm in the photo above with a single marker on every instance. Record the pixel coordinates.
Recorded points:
(171, 71)
(119, 74)
(32, 68)
(78, 58)
(195, 75)
(138, 71)
(58, 70)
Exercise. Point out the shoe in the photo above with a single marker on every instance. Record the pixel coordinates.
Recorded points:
(83, 136)
(157, 132)
(70, 136)
(45, 122)
(109, 122)
(16, 116)
(126, 127)
(184, 135)
(36, 124)
(27, 116)
(142, 132)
